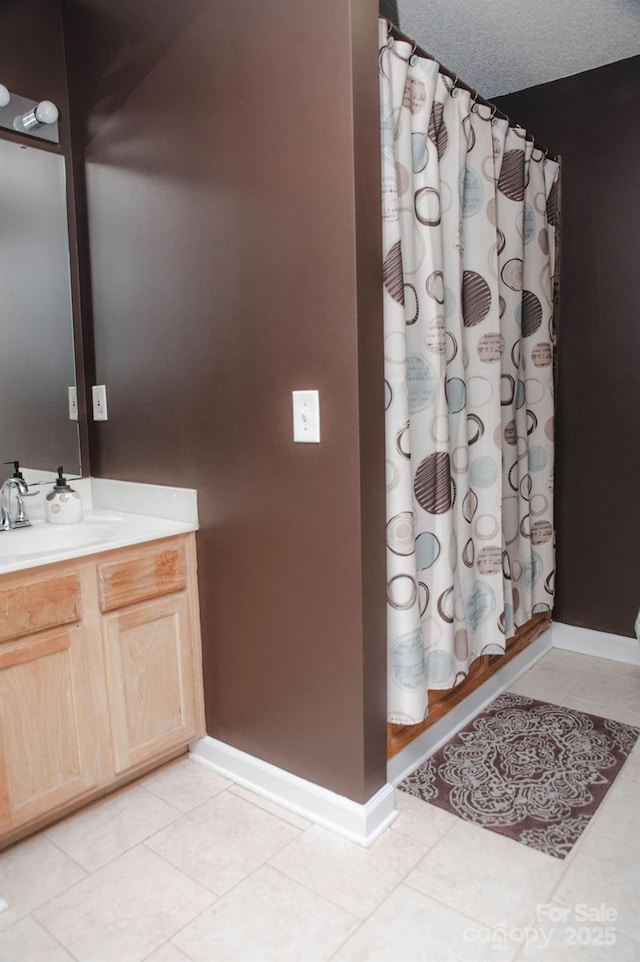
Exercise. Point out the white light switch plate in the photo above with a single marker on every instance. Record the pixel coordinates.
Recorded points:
(306, 416)
(73, 404)
(99, 397)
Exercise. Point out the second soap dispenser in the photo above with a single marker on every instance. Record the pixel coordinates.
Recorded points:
(63, 505)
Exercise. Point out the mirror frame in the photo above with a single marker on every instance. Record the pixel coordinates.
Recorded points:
(79, 269)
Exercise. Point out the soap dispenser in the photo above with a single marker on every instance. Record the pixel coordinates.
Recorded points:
(62, 505)
(17, 473)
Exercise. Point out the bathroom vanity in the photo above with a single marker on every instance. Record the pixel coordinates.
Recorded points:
(100, 663)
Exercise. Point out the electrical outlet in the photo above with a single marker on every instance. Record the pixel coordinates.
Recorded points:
(306, 416)
(99, 397)
(73, 404)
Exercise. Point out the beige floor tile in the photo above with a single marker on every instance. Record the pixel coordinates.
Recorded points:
(222, 841)
(608, 668)
(102, 832)
(353, 877)
(410, 927)
(619, 814)
(544, 686)
(487, 876)
(420, 820)
(168, 952)
(27, 941)
(559, 939)
(267, 917)
(612, 683)
(272, 807)
(31, 873)
(559, 659)
(607, 871)
(186, 784)
(125, 909)
(606, 708)
(631, 768)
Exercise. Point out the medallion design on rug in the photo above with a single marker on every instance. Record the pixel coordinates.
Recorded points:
(527, 769)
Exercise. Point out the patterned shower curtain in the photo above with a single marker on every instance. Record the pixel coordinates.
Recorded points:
(469, 219)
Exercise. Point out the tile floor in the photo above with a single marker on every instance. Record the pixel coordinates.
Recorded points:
(185, 866)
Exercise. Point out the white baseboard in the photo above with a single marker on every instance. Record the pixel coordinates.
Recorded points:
(598, 644)
(361, 823)
(429, 741)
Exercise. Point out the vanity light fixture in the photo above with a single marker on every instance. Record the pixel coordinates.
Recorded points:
(44, 113)
(34, 118)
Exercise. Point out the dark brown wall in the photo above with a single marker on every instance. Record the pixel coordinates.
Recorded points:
(32, 54)
(593, 121)
(233, 261)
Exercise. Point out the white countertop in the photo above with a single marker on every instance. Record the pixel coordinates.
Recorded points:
(148, 512)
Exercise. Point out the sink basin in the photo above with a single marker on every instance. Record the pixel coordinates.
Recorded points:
(51, 538)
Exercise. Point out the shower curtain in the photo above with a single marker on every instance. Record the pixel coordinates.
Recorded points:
(469, 218)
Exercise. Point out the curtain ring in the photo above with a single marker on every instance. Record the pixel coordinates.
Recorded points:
(493, 120)
(390, 38)
(412, 56)
(474, 98)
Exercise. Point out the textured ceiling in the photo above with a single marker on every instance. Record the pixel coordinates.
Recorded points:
(498, 46)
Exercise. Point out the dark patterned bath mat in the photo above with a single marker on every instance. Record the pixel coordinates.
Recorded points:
(527, 769)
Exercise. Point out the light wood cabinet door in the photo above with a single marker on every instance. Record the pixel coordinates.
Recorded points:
(151, 679)
(47, 750)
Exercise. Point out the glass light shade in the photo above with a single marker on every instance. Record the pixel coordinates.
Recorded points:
(46, 112)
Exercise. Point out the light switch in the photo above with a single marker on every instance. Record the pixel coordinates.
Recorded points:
(73, 403)
(99, 397)
(306, 416)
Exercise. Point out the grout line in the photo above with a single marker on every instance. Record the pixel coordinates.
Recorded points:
(250, 801)
(360, 849)
(128, 848)
(251, 872)
(240, 882)
(35, 908)
(151, 792)
(348, 938)
(46, 930)
(185, 872)
(327, 898)
(462, 913)
(471, 918)
(452, 825)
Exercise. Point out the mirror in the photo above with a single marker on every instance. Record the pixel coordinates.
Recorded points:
(36, 329)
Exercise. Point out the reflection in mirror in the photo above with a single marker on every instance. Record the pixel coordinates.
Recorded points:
(36, 328)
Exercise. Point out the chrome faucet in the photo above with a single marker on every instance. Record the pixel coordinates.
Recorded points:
(18, 518)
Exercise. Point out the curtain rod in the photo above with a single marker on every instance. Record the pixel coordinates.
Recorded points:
(397, 34)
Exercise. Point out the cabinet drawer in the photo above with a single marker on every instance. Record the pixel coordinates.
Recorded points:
(157, 572)
(43, 604)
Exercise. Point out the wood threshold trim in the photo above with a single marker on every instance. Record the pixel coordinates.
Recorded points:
(481, 669)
